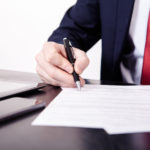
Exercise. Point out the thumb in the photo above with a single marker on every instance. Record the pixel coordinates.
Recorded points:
(81, 62)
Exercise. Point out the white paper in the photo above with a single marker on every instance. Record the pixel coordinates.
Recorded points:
(117, 109)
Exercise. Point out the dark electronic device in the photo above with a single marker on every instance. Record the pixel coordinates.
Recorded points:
(18, 107)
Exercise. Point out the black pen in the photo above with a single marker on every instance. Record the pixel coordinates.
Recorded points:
(71, 58)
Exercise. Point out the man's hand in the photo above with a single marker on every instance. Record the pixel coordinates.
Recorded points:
(54, 68)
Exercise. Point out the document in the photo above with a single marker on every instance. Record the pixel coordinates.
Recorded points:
(117, 109)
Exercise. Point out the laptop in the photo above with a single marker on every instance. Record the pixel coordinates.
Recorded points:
(10, 88)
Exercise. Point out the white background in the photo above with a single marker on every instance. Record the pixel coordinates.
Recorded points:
(25, 25)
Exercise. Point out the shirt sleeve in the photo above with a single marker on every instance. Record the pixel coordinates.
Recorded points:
(81, 25)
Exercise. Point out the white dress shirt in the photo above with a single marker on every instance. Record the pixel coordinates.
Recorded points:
(131, 65)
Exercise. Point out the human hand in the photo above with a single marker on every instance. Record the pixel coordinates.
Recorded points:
(54, 68)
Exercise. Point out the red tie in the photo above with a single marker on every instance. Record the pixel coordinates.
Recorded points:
(146, 61)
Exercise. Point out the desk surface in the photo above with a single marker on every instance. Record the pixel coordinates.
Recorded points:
(20, 135)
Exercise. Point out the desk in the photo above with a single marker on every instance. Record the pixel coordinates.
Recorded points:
(20, 135)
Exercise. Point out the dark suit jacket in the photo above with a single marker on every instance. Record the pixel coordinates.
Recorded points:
(90, 20)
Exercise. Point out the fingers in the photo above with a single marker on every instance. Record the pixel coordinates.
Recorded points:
(53, 75)
(54, 68)
(58, 80)
(45, 77)
(56, 56)
(82, 61)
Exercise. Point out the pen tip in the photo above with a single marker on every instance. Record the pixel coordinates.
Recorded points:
(78, 85)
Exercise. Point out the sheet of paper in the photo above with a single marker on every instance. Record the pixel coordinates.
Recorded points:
(117, 109)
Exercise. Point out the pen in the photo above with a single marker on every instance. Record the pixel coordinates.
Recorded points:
(71, 58)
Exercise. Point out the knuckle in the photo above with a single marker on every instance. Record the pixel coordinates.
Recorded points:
(51, 57)
(52, 44)
(49, 47)
(48, 44)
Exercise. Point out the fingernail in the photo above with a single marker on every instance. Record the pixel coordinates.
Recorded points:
(68, 69)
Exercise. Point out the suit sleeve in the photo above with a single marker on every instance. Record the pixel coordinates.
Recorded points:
(80, 24)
